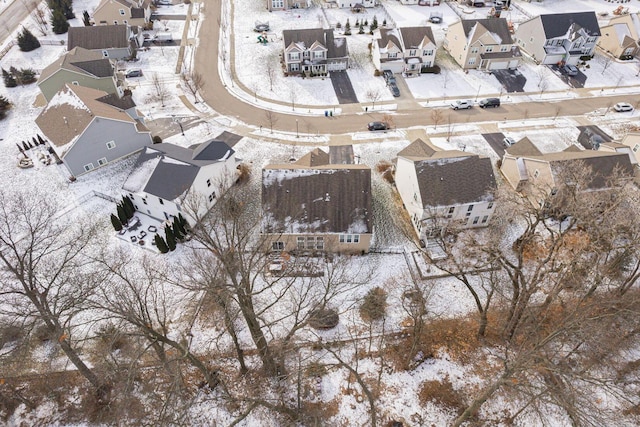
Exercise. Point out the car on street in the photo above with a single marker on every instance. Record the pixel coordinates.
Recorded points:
(508, 141)
(133, 72)
(569, 70)
(489, 102)
(373, 126)
(394, 89)
(621, 107)
(461, 105)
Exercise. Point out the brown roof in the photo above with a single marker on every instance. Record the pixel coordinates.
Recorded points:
(72, 109)
(316, 157)
(323, 199)
(82, 61)
(417, 149)
(305, 38)
(523, 148)
(413, 36)
(603, 165)
(389, 35)
(99, 37)
(496, 26)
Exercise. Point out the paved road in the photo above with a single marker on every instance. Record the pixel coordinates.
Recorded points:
(14, 14)
(352, 119)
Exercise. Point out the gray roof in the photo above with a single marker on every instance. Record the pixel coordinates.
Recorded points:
(413, 36)
(389, 35)
(497, 26)
(341, 154)
(603, 168)
(99, 67)
(323, 199)
(557, 24)
(171, 179)
(305, 38)
(124, 103)
(450, 181)
(98, 37)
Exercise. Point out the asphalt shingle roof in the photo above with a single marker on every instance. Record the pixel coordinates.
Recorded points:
(557, 24)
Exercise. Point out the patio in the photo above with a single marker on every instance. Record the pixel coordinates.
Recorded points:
(141, 231)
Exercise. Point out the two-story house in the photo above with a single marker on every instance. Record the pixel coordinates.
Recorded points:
(89, 128)
(441, 186)
(350, 3)
(559, 38)
(404, 50)
(79, 67)
(315, 206)
(168, 180)
(620, 38)
(483, 44)
(314, 51)
(273, 5)
(535, 174)
(123, 12)
(111, 41)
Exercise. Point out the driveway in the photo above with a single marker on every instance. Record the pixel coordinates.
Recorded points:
(495, 141)
(511, 80)
(343, 88)
(576, 81)
(592, 136)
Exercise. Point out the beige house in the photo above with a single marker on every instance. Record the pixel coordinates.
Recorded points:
(483, 44)
(441, 186)
(79, 67)
(123, 12)
(529, 171)
(273, 5)
(632, 142)
(314, 206)
(404, 50)
(620, 37)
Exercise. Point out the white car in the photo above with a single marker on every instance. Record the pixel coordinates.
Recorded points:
(621, 107)
(508, 142)
(462, 105)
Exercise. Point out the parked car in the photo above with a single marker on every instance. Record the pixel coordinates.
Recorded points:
(393, 87)
(489, 102)
(133, 72)
(163, 38)
(621, 107)
(164, 2)
(476, 3)
(461, 105)
(508, 142)
(377, 126)
(569, 70)
(388, 77)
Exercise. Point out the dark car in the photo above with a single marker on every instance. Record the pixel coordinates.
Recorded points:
(489, 102)
(134, 72)
(377, 126)
(388, 77)
(570, 70)
(394, 89)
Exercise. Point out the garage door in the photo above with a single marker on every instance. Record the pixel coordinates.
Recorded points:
(513, 64)
(336, 66)
(498, 65)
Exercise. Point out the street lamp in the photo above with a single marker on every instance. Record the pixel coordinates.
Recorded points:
(297, 130)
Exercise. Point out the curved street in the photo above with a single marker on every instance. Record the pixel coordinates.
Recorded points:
(353, 118)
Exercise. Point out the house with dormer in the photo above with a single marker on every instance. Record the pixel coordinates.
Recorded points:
(559, 38)
(123, 12)
(441, 186)
(312, 206)
(168, 180)
(314, 51)
(620, 38)
(483, 44)
(406, 50)
(81, 67)
(274, 5)
(536, 175)
(351, 4)
(111, 41)
(89, 128)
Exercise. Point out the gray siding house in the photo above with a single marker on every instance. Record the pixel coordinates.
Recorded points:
(314, 51)
(111, 41)
(88, 128)
(82, 67)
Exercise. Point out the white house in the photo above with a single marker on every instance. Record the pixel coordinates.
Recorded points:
(438, 187)
(404, 50)
(168, 180)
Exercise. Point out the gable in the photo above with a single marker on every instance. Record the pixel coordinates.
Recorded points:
(559, 24)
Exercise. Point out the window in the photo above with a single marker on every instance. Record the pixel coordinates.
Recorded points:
(88, 167)
(311, 242)
(490, 205)
(472, 61)
(536, 173)
(212, 196)
(488, 49)
(415, 197)
(300, 241)
(294, 56)
(294, 67)
(75, 83)
(476, 219)
(554, 191)
(209, 183)
(161, 201)
(115, 22)
(277, 246)
(318, 54)
(504, 48)
(105, 53)
(277, 4)
(636, 148)
(450, 213)
(591, 39)
(121, 11)
(349, 238)
(144, 201)
(412, 52)
(320, 243)
(125, 22)
(392, 55)
(468, 215)
(427, 52)
(470, 208)
(474, 50)
(484, 219)
(111, 145)
(102, 161)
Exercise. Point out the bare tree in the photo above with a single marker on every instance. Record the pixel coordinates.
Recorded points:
(161, 89)
(436, 117)
(45, 275)
(271, 73)
(605, 61)
(193, 82)
(293, 95)
(271, 118)
(41, 19)
(543, 82)
(373, 95)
